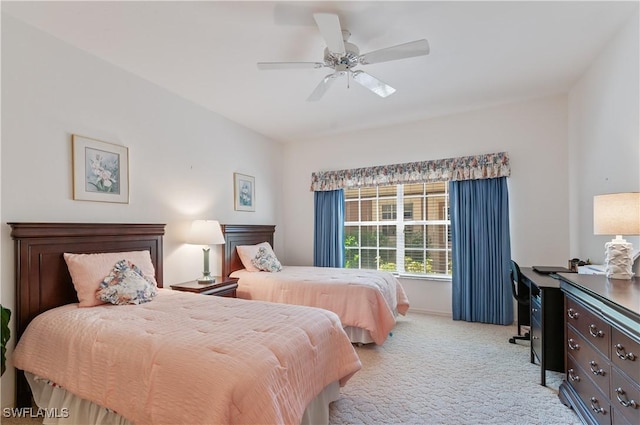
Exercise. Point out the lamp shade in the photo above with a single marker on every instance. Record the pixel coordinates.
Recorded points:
(616, 214)
(205, 232)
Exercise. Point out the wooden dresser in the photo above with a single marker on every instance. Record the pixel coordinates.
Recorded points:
(602, 348)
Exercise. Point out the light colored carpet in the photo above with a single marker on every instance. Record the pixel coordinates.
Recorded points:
(434, 370)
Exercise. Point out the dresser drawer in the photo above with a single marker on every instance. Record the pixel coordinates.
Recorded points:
(536, 308)
(624, 354)
(590, 395)
(594, 329)
(536, 326)
(574, 373)
(625, 397)
(589, 359)
(618, 419)
(536, 338)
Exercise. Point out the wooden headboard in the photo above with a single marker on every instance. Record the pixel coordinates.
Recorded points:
(42, 278)
(242, 234)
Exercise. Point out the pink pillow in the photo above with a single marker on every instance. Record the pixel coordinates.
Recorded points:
(89, 270)
(248, 252)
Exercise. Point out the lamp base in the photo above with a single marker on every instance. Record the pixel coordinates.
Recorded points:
(206, 280)
(618, 259)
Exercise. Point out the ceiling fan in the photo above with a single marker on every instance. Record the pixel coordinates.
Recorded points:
(343, 57)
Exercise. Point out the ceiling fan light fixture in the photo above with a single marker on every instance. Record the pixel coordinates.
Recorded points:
(350, 58)
(342, 57)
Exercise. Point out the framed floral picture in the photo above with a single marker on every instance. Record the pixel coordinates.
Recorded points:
(244, 192)
(100, 170)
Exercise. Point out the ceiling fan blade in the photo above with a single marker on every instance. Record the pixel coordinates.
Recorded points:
(401, 51)
(290, 65)
(373, 84)
(321, 88)
(329, 26)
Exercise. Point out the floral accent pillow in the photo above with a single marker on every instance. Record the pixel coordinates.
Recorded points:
(126, 284)
(248, 252)
(266, 260)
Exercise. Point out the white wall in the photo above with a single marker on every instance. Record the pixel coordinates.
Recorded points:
(535, 135)
(604, 137)
(182, 157)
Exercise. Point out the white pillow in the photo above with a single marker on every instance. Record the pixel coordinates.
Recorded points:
(248, 252)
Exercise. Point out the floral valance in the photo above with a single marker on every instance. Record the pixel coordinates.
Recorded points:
(486, 166)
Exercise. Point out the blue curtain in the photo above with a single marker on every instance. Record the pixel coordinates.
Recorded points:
(481, 251)
(328, 249)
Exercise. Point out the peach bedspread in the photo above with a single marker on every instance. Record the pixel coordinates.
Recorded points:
(365, 299)
(186, 358)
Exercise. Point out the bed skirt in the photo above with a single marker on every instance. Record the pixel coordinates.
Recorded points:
(358, 335)
(72, 410)
(361, 335)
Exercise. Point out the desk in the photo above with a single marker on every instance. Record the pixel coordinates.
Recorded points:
(546, 310)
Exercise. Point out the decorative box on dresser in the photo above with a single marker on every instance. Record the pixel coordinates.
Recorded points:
(602, 348)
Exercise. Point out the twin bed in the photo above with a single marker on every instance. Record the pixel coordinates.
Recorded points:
(180, 358)
(367, 301)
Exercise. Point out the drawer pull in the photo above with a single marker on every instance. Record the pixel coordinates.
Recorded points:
(572, 314)
(595, 406)
(620, 352)
(594, 368)
(573, 345)
(625, 402)
(593, 330)
(572, 377)
(534, 310)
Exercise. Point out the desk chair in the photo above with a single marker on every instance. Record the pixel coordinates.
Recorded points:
(521, 294)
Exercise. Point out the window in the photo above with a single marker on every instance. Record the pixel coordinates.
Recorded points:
(389, 212)
(402, 228)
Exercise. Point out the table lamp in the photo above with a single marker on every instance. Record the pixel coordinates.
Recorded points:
(617, 214)
(206, 232)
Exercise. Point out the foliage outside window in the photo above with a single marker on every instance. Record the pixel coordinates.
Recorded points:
(5, 334)
(402, 228)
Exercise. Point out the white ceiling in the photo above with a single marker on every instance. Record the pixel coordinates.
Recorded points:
(482, 54)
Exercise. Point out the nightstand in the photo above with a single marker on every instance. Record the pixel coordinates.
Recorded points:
(222, 287)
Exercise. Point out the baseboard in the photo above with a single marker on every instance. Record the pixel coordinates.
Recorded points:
(431, 312)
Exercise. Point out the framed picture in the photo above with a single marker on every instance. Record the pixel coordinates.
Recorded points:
(244, 192)
(100, 170)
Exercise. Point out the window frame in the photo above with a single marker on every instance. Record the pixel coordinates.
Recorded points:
(400, 223)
